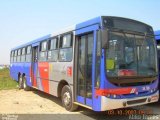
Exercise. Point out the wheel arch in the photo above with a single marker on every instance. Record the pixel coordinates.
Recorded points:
(61, 84)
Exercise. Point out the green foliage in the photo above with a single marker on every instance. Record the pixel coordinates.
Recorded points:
(6, 82)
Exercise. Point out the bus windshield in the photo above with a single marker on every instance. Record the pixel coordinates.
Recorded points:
(130, 55)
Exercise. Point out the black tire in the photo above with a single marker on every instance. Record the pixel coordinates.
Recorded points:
(25, 86)
(20, 82)
(66, 97)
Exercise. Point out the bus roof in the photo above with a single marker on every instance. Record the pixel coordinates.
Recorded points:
(94, 21)
(157, 34)
(33, 41)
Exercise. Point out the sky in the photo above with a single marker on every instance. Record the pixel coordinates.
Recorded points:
(24, 20)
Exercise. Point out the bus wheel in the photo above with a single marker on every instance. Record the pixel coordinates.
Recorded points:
(20, 82)
(66, 96)
(25, 86)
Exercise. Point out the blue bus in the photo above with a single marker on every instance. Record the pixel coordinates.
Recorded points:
(101, 64)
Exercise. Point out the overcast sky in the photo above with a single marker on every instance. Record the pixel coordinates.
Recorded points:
(25, 20)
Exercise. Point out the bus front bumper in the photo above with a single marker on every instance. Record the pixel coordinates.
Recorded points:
(109, 104)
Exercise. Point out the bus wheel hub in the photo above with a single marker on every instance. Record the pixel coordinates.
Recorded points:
(66, 98)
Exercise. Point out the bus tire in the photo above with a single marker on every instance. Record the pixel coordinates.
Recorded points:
(25, 86)
(66, 97)
(20, 82)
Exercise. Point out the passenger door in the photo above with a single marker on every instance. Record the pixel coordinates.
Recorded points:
(34, 65)
(84, 69)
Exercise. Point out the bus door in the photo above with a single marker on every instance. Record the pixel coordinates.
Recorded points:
(34, 65)
(84, 68)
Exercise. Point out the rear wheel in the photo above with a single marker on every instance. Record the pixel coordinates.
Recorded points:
(25, 86)
(66, 96)
(20, 82)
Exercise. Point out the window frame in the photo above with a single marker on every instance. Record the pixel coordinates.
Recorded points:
(23, 55)
(19, 54)
(40, 50)
(15, 55)
(50, 50)
(62, 48)
(12, 56)
(57, 43)
(27, 54)
(24, 51)
(27, 49)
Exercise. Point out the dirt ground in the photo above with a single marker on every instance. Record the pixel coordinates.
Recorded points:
(34, 102)
(38, 105)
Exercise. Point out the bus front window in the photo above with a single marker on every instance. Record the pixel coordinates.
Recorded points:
(130, 55)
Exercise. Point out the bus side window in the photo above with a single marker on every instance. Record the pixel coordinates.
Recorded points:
(43, 51)
(53, 49)
(28, 54)
(12, 56)
(65, 54)
(23, 57)
(19, 56)
(15, 56)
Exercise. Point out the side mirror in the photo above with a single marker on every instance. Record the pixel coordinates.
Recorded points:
(104, 37)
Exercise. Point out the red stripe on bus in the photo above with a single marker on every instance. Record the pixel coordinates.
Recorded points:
(117, 91)
(44, 75)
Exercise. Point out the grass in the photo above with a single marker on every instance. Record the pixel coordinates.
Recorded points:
(6, 82)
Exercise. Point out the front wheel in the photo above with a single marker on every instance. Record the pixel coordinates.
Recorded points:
(66, 96)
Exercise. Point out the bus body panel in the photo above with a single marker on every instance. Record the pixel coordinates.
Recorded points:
(43, 76)
(22, 68)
